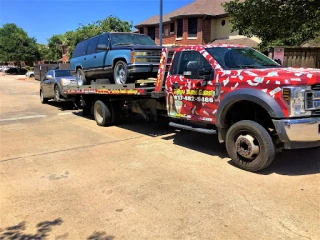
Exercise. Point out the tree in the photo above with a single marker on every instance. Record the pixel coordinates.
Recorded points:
(55, 50)
(109, 24)
(43, 52)
(16, 45)
(286, 22)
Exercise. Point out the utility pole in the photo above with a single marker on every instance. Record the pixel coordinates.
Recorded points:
(160, 22)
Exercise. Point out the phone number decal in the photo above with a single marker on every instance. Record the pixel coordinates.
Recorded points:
(194, 99)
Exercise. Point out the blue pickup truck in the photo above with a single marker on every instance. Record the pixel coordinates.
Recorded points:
(119, 57)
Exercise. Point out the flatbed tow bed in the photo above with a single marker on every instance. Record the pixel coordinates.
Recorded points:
(141, 88)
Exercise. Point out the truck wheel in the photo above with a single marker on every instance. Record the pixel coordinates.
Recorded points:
(250, 146)
(81, 77)
(120, 72)
(42, 99)
(102, 114)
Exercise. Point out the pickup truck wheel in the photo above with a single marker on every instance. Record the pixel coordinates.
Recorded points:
(102, 114)
(81, 77)
(250, 146)
(120, 72)
(42, 99)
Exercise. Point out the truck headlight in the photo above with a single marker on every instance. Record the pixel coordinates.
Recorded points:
(140, 57)
(295, 98)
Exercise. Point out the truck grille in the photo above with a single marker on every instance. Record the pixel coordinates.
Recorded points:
(312, 100)
(150, 56)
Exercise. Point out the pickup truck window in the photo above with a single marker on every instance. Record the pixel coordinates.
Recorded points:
(118, 39)
(187, 56)
(239, 58)
(175, 64)
(81, 49)
(103, 39)
(93, 45)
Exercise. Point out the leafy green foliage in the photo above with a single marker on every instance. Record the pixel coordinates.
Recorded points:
(281, 22)
(43, 51)
(16, 45)
(110, 24)
(54, 45)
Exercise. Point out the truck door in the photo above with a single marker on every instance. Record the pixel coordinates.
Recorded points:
(191, 90)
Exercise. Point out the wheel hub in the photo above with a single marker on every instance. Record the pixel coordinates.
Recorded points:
(247, 146)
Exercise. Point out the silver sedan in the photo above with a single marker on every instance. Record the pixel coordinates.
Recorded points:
(52, 83)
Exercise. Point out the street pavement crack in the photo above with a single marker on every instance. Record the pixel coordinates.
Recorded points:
(263, 214)
(69, 149)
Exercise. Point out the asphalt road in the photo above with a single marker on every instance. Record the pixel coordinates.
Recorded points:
(63, 177)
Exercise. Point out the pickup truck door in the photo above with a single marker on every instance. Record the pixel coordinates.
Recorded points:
(191, 91)
(95, 57)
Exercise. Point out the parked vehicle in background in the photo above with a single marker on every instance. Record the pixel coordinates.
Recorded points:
(30, 74)
(5, 68)
(15, 70)
(120, 57)
(51, 85)
(256, 107)
(40, 70)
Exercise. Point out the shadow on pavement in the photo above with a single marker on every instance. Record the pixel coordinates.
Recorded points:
(43, 230)
(100, 236)
(290, 162)
(62, 106)
(295, 163)
(16, 232)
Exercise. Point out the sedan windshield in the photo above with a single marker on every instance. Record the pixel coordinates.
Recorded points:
(118, 39)
(239, 58)
(63, 73)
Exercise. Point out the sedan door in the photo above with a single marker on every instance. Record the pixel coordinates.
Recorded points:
(47, 85)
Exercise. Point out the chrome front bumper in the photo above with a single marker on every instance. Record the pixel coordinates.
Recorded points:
(305, 130)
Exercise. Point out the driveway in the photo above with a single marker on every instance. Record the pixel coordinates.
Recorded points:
(63, 177)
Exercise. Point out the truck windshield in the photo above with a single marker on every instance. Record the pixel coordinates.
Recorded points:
(63, 73)
(123, 39)
(239, 58)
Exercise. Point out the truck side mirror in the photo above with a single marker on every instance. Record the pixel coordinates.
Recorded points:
(102, 47)
(192, 70)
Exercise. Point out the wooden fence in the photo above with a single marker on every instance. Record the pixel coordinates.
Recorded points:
(300, 57)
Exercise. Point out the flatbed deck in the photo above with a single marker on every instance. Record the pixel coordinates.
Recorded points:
(140, 87)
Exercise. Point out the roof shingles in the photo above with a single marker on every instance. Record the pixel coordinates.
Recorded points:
(196, 8)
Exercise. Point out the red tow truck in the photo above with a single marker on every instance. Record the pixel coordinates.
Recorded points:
(254, 105)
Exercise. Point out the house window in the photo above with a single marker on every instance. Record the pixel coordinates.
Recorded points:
(179, 28)
(192, 27)
(223, 22)
(171, 27)
(142, 30)
(152, 32)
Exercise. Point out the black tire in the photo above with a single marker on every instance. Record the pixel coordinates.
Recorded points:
(103, 114)
(57, 94)
(81, 77)
(42, 99)
(120, 72)
(31, 75)
(244, 138)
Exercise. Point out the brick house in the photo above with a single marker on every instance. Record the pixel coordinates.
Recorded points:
(200, 22)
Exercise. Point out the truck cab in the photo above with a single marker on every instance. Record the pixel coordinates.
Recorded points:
(254, 103)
